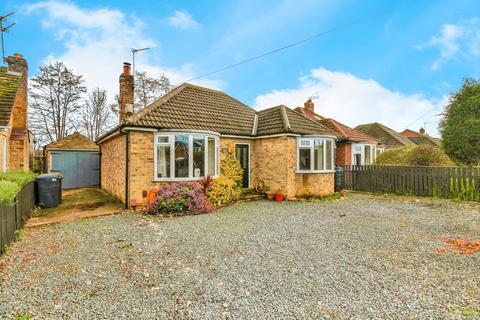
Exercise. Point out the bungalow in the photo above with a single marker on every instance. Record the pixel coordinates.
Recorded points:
(388, 137)
(183, 135)
(421, 138)
(354, 147)
(16, 142)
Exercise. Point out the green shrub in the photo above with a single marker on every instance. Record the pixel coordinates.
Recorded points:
(423, 156)
(223, 191)
(21, 178)
(8, 191)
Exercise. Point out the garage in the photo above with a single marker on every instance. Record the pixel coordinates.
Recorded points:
(77, 158)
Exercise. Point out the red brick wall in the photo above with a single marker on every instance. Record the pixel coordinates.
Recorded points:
(344, 154)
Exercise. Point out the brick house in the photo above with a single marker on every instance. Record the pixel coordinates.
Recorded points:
(16, 142)
(183, 135)
(387, 136)
(421, 138)
(353, 146)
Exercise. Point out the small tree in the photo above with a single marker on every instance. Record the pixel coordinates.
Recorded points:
(96, 115)
(460, 125)
(55, 96)
(148, 89)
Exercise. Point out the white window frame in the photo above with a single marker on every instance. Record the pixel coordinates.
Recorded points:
(303, 144)
(171, 144)
(373, 152)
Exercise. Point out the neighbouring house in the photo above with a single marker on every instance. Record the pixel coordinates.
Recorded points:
(16, 141)
(77, 158)
(353, 146)
(421, 138)
(389, 138)
(183, 135)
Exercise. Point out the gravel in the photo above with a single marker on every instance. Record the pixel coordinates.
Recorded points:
(366, 257)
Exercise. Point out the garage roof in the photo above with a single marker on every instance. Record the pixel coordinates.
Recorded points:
(75, 141)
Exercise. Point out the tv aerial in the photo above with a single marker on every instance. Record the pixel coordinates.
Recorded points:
(4, 28)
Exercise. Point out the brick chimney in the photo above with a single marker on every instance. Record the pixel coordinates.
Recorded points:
(17, 64)
(309, 105)
(422, 131)
(126, 92)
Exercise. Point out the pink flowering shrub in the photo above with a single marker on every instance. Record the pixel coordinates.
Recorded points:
(181, 198)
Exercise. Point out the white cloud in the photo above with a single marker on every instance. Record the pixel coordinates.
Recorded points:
(461, 40)
(97, 42)
(181, 19)
(353, 101)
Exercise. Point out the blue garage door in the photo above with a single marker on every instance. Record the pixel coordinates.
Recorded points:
(79, 168)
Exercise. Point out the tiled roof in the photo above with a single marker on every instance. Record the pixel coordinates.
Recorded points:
(389, 137)
(75, 141)
(421, 138)
(344, 131)
(194, 107)
(281, 119)
(9, 83)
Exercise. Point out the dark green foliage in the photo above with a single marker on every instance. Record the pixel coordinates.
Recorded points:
(460, 125)
(423, 156)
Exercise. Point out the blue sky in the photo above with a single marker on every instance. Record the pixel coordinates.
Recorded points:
(394, 68)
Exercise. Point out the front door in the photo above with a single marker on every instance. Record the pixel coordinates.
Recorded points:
(242, 152)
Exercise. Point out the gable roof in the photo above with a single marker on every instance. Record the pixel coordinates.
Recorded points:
(193, 107)
(342, 130)
(75, 141)
(281, 119)
(389, 137)
(9, 83)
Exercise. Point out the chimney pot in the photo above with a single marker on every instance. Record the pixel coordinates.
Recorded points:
(422, 131)
(309, 105)
(18, 55)
(126, 67)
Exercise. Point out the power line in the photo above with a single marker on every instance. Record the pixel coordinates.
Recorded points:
(340, 27)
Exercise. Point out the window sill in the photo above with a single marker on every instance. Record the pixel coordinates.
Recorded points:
(180, 179)
(315, 171)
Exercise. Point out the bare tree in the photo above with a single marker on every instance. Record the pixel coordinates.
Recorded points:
(55, 99)
(148, 89)
(96, 117)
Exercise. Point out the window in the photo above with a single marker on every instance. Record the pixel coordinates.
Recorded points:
(185, 156)
(363, 154)
(315, 154)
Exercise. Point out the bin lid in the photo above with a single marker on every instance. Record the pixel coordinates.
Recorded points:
(50, 176)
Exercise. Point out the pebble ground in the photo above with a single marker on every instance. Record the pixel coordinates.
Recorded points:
(365, 257)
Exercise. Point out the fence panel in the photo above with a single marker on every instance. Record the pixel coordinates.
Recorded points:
(13, 217)
(448, 182)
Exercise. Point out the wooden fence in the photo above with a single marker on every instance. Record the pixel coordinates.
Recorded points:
(13, 217)
(446, 182)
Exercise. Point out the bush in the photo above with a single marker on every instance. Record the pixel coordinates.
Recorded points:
(8, 191)
(231, 168)
(223, 191)
(423, 156)
(182, 198)
(21, 178)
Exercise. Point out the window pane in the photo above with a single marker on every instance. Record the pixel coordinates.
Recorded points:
(162, 139)
(181, 156)
(211, 156)
(198, 156)
(163, 161)
(305, 143)
(328, 160)
(368, 155)
(304, 159)
(318, 155)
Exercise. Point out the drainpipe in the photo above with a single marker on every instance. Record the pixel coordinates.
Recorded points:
(126, 170)
(100, 168)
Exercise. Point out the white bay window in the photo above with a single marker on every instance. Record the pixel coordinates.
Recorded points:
(185, 156)
(315, 154)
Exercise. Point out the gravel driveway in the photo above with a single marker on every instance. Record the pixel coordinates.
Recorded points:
(365, 257)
